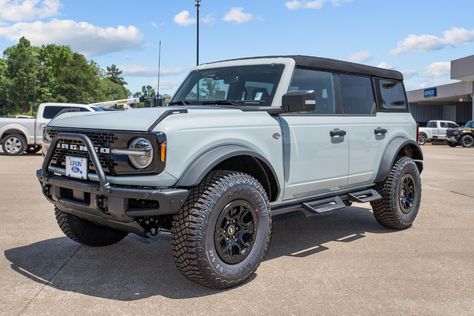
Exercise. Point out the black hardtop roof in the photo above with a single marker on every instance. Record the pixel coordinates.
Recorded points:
(334, 65)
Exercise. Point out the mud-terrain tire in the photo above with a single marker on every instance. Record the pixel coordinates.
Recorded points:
(207, 247)
(14, 144)
(87, 233)
(467, 141)
(422, 139)
(401, 195)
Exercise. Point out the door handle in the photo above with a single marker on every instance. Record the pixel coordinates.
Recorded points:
(337, 132)
(380, 131)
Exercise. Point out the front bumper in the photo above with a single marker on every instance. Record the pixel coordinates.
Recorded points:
(103, 203)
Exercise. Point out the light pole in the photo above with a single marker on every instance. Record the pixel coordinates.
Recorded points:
(198, 5)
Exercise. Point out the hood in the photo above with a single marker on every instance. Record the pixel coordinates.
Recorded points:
(131, 120)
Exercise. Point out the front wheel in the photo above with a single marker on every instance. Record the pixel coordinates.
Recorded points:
(14, 144)
(467, 141)
(87, 233)
(222, 232)
(422, 139)
(401, 195)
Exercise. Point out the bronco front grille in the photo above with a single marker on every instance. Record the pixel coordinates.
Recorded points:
(100, 140)
(104, 141)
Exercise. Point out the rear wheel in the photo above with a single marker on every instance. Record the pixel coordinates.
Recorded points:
(401, 195)
(14, 144)
(467, 141)
(422, 139)
(87, 233)
(222, 233)
(33, 149)
(452, 144)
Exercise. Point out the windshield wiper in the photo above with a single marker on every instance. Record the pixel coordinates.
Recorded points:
(179, 102)
(221, 102)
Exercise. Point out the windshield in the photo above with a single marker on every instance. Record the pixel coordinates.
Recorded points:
(238, 85)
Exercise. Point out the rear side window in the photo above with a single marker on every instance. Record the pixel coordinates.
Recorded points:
(392, 94)
(51, 111)
(357, 95)
(323, 85)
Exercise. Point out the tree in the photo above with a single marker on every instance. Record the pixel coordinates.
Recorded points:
(147, 93)
(114, 74)
(4, 82)
(109, 90)
(22, 66)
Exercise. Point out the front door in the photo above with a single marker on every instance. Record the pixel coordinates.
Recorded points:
(315, 144)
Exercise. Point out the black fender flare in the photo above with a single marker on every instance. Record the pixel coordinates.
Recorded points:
(199, 168)
(391, 153)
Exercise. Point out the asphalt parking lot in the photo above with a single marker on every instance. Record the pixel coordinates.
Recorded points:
(340, 263)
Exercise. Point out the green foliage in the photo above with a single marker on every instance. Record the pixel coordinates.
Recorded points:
(148, 93)
(31, 75)
(114, 74)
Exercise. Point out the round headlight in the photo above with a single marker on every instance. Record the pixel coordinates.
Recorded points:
(143, 153)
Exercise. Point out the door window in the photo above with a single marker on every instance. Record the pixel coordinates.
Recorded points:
(357, 95)
(323, 85)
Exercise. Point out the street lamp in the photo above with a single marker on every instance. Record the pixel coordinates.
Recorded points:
(197, 4)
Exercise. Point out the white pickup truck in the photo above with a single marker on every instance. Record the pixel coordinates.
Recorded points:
(21, 134)
(435, 130)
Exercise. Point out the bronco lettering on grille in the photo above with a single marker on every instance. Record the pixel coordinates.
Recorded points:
(102, 150)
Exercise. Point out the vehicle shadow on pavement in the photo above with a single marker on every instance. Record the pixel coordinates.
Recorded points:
(135, 269)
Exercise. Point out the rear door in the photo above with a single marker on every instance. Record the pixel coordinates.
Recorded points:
(315, 145)
(382, 114)
(366, 134)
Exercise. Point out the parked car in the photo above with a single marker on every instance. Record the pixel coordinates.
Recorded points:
(242, 141)
(435, 130)
(24, 133)
(463, 136)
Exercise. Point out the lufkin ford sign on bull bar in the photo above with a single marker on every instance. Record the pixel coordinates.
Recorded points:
(430, 92)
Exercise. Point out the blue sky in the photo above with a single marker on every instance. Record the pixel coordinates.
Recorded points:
(418, 38)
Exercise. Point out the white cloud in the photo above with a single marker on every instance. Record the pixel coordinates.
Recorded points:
(438, 69)
(409, 73)
(86, 38)
(385, 65)
(24, 10)
(237, 15)
(360, 56)
(427, 42)
(147, 71)
(313, 4)
(207, 19)
(184, 18)
(157, 25)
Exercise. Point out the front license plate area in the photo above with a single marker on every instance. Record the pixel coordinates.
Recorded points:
(76, 167)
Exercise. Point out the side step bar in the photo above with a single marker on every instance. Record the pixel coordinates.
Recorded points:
(365, 196)
(321, 206)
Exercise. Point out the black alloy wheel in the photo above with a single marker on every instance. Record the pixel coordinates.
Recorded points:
(407, 193)
(235, 231)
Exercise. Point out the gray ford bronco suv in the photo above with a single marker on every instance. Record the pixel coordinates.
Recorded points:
(242, 140)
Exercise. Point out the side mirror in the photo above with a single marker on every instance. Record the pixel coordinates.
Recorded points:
(299, 101)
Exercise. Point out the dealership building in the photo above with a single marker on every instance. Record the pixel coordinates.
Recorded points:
(453, 102)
